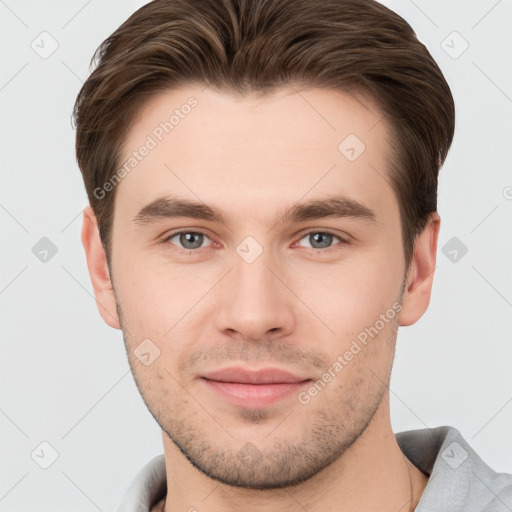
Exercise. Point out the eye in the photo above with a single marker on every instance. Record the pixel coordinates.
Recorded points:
(188, 239)
(320, 239)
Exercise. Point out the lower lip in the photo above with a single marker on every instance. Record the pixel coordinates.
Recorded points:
(254, 395)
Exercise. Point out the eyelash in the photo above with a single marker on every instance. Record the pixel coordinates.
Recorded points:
(313, 249)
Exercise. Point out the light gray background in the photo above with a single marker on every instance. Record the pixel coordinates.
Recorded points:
(64, 374)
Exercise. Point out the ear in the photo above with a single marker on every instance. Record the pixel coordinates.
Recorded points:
(420, 274)
(98, 269)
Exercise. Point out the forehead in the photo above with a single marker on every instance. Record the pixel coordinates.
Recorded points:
(235, 152)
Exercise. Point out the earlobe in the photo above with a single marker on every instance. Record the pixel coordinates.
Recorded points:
(98, 269)
(420, 275)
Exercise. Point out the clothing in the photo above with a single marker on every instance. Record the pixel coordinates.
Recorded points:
(459, 480)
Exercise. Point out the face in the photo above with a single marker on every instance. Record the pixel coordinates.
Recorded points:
(257, 267)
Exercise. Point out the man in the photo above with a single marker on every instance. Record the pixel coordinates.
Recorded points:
(262, 178)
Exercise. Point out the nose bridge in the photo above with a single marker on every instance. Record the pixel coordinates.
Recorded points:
(253, 279)
(256, 301)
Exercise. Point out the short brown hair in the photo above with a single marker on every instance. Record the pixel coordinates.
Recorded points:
(247, 46)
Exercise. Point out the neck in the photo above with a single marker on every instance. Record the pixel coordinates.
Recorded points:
(373, 474)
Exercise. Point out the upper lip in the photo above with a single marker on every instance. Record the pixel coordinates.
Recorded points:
(260, 376)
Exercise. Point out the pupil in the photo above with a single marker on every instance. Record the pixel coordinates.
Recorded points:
(191, 240)
(320, 240)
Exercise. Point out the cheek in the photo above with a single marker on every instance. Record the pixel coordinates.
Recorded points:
(159, 385)
(352, 295)
(155, 294)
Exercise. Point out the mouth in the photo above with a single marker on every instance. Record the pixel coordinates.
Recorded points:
(254, 388)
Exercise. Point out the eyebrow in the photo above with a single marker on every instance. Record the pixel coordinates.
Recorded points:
(332, 206)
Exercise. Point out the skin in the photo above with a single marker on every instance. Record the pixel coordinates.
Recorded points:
(293, 308)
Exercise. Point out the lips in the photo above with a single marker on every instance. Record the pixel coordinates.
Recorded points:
(253, 388)
(263, 376)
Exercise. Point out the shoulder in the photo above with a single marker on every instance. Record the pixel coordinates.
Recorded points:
(147, 488)
(459, 480)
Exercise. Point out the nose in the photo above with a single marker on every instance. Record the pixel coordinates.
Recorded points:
(254, 303)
